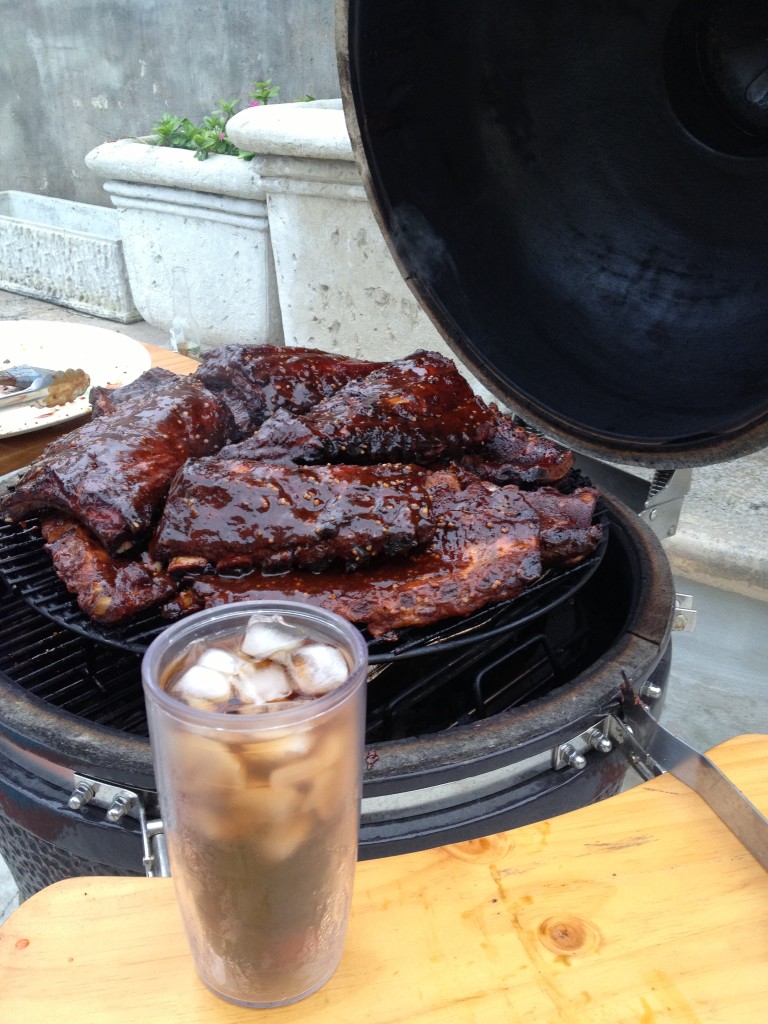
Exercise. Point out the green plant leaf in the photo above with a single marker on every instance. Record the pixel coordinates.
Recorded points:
(209, 136)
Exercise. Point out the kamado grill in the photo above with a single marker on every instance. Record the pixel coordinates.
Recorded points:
(577, 196)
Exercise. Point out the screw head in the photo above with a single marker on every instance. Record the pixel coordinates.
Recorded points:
(576, 760)
(651, 690)
(602, 744)
(81, 795)
(119, 807)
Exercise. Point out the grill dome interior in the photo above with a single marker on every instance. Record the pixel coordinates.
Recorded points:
(592, 246)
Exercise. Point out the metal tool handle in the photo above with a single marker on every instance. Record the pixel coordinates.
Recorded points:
(36, 383)
(665, 752)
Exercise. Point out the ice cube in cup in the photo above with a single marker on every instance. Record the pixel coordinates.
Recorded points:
(262, 683)
(268, 635)
(202, 686)
(316, 669)
(273, 660)
(260, 791)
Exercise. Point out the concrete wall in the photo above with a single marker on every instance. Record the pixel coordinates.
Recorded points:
(76, 73)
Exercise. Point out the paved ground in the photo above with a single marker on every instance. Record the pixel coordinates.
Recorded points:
(19, 307)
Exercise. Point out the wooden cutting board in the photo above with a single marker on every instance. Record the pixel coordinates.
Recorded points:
(642, 909)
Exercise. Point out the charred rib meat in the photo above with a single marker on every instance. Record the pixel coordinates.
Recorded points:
(254, 381)
(414, 410)
(230, 513)
(108, 590)
(515, 455)
(113, 473)
(104, 401)
(485, 549)
(567, 532)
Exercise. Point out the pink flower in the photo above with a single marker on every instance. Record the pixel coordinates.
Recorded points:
(255, 103)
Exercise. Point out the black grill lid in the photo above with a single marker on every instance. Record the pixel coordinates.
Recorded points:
(577, 193)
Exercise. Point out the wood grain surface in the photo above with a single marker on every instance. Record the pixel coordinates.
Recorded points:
(21, 449)
(642, 909)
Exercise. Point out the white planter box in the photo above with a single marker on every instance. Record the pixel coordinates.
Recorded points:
(339, 285)
(64, 252)
(196, 242)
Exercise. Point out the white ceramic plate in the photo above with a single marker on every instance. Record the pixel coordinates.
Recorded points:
(108, 357)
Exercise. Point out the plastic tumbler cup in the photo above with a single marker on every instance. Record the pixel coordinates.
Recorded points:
(261, 809)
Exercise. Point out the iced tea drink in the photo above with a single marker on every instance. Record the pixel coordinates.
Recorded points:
(256, 715)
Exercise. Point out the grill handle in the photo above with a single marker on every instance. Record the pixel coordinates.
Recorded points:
(156, 863)
(665, 752)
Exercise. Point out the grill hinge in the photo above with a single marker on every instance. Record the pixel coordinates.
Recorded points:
(598, 739)
(573, 754)
(684, 620)
(665, 500)
(118, 802)
(658, 501)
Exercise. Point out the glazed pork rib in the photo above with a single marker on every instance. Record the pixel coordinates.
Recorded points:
(567, 532)
(113, 473)
(414, 410)
(105, 401)
(234, 514)
(485, 549)
(109, 590)
(254, 381)
(516, 455)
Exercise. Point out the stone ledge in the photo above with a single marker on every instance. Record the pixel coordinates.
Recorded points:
(722, 537)
(139, 161)
(315, 130)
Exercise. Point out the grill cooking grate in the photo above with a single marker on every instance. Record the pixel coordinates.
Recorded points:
(425, 695)
(464, 685)
(68, 671)
(27, 569)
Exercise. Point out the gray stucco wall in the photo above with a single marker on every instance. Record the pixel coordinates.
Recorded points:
(76, 73)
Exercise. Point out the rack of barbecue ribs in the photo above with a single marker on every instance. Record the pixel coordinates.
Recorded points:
(113, 473)
(515, 455)
(109, 589)
(387, 492)
(255, 381)
(234, 514)
(567, 531)
(417, 409)
(485, 549)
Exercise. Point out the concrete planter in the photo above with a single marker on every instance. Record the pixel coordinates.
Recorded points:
(64, 252)
(196, 242)
(339, 285)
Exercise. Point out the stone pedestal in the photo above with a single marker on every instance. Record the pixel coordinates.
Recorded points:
(196, 242)
(338, 283)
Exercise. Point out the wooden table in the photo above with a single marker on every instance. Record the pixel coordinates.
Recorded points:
(643, 909)
(21, 449)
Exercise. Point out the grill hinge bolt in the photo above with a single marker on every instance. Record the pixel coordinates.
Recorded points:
(82, 794)
(684, 619)
(572, 757)
(600, 742)
(119, 806)
(651, 691)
